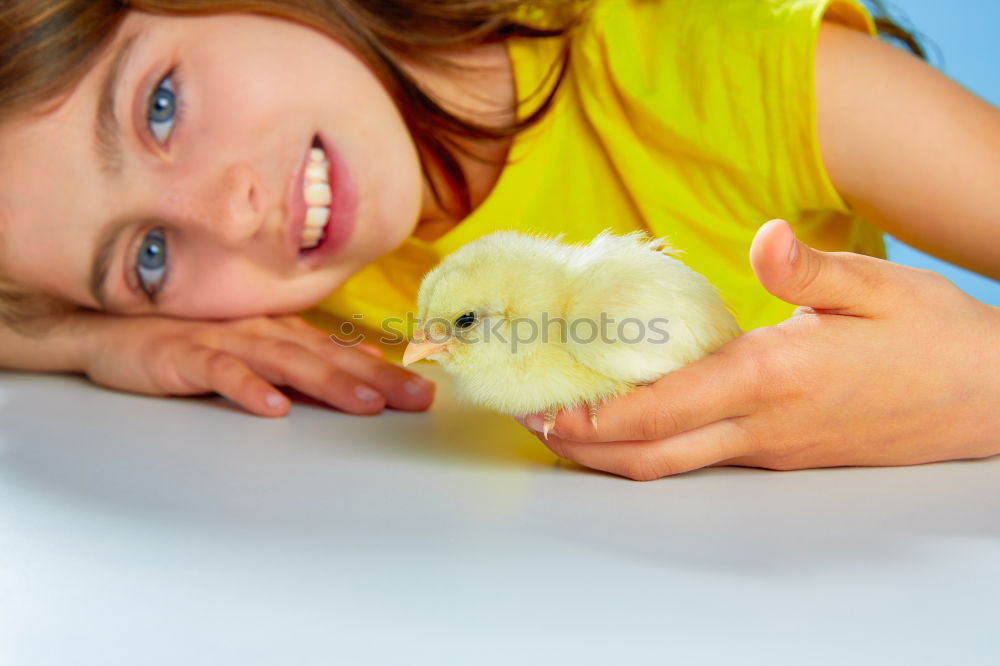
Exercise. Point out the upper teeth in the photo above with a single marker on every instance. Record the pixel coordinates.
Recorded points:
(316, 190)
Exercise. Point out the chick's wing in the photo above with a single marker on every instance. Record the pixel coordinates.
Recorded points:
(636, 313)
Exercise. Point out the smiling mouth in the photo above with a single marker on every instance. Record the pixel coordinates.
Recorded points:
(318, 195)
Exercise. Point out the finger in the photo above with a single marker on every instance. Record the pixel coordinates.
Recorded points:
(314, 334)
(403, 389)
(645, 461)
(370, 349)
(719, 386)
(289, 364)
(207, 370)
(842, 282)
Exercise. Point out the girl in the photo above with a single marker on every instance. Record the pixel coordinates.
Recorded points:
(181, 176)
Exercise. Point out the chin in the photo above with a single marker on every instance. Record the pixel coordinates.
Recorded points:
(297, 304)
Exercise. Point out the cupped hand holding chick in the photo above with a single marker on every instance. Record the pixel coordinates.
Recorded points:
(882, 365)
(529, 324)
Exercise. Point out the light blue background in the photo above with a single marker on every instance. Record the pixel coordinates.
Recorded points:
(962, 41)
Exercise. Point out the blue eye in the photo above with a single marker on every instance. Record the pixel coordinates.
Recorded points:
(163, 109)
(151, 263)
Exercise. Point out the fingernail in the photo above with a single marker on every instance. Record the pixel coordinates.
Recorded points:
(416, 386)
(274, 400)
(366, 394)
(534, 422)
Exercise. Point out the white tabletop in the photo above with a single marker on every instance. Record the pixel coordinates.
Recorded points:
(148, 531)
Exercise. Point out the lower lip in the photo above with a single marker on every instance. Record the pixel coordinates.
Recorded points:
(343, 210)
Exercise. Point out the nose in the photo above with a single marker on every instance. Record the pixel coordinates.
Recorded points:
(241, 206)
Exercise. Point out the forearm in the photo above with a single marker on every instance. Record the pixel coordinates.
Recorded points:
(244, 360)
(55, 347)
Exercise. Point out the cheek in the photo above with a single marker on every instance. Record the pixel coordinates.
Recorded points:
(209, 285)
(236, 288)
(235, 108)
(246, 85)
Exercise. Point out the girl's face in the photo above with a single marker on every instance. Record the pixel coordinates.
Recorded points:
(175, 168)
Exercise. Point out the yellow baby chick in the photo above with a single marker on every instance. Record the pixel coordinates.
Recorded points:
(528, 324)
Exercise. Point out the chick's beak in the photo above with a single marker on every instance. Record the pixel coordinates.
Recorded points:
(420, 348)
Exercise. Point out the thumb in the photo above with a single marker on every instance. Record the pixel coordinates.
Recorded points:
(843, 282)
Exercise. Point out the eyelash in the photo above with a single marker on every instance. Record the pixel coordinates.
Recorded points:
(139, 285)
(179, 108)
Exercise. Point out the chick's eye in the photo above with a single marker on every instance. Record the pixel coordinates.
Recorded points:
(466, 320)
(162, 109)
(151, 262)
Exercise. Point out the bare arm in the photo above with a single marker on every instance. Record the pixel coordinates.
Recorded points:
(909, 149)
(241, 359)
(56, 349)
(847, 379)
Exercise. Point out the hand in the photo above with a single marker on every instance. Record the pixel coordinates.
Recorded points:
(244, 360)
(884, 365)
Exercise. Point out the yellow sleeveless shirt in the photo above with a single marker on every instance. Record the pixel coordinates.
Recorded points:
(690, 119)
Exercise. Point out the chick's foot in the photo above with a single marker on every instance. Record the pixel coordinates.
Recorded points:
(549, 423)
(549, 420)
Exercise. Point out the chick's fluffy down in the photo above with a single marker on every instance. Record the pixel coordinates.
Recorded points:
(559, 325)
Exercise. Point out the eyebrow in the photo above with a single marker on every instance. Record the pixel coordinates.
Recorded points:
(109, 151)
(106, 126)
(100, 265)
